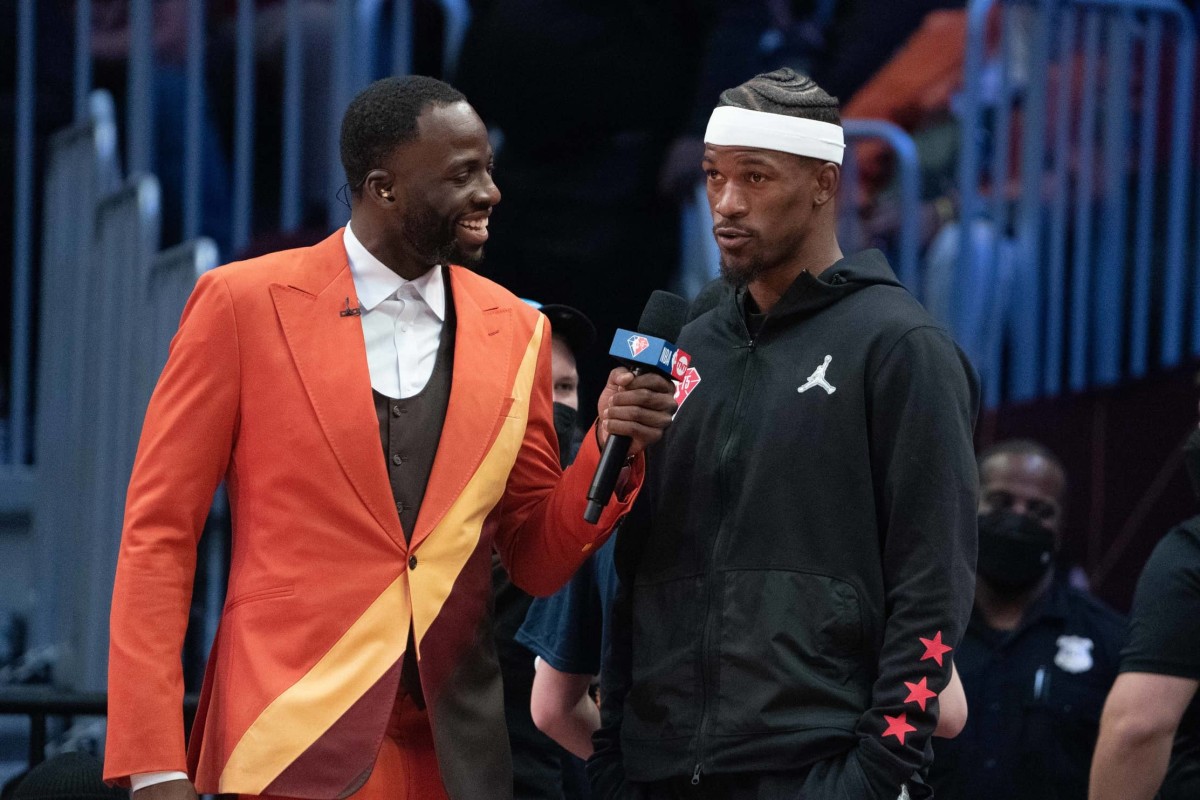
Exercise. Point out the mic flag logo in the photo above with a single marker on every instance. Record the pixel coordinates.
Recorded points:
(680, 365)
(684, 386)
(637, 344)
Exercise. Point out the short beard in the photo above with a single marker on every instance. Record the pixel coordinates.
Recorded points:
(739, 278)
(427, 235)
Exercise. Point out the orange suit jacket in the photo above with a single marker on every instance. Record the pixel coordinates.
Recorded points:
(267, 387)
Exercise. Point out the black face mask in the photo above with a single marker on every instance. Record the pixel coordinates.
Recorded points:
(1191, 460)
(565, 419)
(1014, 551)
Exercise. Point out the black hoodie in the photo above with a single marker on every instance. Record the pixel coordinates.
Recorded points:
(802, 554)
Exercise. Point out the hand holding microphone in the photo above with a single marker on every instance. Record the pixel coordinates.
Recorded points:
(638, 402)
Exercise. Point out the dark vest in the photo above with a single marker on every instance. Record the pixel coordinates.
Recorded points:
(410, 429)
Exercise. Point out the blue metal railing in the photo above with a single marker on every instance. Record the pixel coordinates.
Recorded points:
(1079, 85)
(18, 420)
(908, 190)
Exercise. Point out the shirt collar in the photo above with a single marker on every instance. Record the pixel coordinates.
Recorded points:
(374, 282)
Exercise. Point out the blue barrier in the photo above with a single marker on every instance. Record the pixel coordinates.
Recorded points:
(1061, 76)
(127, 238)
(99, 357)
(81, 168)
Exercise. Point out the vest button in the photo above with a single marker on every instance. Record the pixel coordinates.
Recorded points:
(397, 459)
(396, 411)
(412, 562)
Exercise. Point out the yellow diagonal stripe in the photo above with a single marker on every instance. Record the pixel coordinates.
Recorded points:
(306, 710)
(452, 542)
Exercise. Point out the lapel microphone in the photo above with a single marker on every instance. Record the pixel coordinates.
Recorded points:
(348, 311)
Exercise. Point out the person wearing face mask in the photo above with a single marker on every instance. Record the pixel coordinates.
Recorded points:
(1038, 656)
(542, 770)
(1149, 742)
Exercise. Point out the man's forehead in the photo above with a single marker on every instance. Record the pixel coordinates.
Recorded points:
(452, 124)
(561, 350)
(743, 154)
(1031, 472)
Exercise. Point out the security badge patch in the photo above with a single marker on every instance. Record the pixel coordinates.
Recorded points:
(1074, 654)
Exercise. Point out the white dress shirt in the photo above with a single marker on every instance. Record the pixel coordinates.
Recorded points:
(402, 327)
(401, 321)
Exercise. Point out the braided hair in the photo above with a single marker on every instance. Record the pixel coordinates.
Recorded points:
(384, 116)
(785, 92)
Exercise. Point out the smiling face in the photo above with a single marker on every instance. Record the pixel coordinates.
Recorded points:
(443, 180)
(762, 203)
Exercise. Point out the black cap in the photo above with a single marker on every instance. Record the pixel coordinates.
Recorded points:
(569, 323)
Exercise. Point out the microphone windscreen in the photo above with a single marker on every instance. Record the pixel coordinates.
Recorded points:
(663, 316)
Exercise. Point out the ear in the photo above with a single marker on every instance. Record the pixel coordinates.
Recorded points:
(378, 188)
(827, 179)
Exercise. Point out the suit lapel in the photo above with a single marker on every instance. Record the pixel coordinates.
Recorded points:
(331, 357)
(478, 390)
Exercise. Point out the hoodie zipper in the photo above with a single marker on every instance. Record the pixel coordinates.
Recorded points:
(710, 571)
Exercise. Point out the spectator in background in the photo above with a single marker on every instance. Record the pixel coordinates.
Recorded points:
(542, 770)
(1038, 656)
(1149, 742)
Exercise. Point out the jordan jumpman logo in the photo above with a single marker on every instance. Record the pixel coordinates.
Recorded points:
(818, 378)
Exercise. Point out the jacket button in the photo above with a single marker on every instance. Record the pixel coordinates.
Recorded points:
(412, 562)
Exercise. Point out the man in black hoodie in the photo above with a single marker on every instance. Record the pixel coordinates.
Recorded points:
(800, 565)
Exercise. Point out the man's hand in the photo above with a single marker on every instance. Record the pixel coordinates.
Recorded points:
(167, 790)
(639, 407)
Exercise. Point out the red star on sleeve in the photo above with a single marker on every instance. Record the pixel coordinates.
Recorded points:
(898, 726)
(935, 649)
(919, 693)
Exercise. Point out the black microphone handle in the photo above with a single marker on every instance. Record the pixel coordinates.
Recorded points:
(612, 460)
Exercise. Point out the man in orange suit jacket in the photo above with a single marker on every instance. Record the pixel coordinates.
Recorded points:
(354, 655)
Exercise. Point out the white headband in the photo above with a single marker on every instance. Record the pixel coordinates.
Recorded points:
(741, 127)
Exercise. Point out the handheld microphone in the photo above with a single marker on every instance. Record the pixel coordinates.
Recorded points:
(649, 349)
